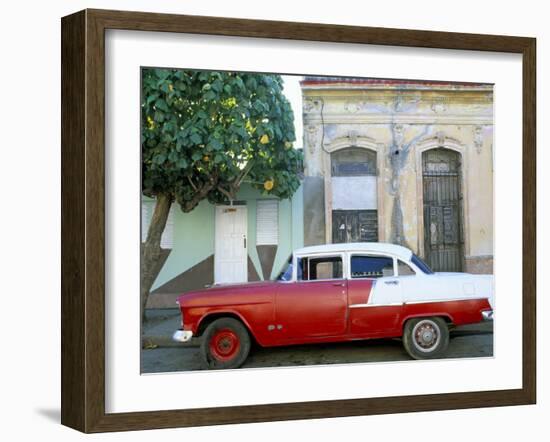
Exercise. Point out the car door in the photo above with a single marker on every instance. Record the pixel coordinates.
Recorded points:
(315, 305)
(375, 295)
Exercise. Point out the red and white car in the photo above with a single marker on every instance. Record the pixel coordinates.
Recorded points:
(332, 293)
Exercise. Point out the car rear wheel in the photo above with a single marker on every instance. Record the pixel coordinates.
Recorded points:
(225, 344)
(426, 338)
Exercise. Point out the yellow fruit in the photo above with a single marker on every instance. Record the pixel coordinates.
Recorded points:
(206, 158)
(288, 144)
(268, 185)
(264, 139)
(170, 87)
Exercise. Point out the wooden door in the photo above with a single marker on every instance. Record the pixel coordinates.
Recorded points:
(230, 263)
(354, 226)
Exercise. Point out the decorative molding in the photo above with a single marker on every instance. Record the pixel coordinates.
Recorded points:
(312, 136)
(353, 139)
(478, 138)
(353, 106)
(310, 105)
(439, 105)
(352, 135)
(402, 118)
(440, 140)
(398, 104)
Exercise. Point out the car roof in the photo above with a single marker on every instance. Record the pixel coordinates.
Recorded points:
(366, 247)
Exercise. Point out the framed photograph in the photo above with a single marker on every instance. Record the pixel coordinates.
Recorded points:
(267, 221)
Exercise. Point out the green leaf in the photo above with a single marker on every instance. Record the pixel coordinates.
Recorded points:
(151, 98)
(210, 95)
(216, 144)
(217, 86)
(195, 138)
(162, 73)
(159, 116)
(161, 104)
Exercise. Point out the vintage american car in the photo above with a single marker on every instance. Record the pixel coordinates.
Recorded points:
(332, 293)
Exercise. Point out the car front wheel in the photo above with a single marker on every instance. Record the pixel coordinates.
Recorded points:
(225, 344)
(426, 338)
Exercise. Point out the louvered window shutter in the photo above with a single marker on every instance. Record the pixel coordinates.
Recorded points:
(267, 222)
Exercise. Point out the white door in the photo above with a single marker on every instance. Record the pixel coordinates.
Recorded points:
(231, 244)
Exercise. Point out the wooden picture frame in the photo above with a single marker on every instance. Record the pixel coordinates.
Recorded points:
(83, 220)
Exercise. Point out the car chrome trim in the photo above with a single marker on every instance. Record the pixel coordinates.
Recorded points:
(393, 304)
(487, 315)
(429, 301)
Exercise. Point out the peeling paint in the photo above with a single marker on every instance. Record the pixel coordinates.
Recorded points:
(399, 119)
(398, 154)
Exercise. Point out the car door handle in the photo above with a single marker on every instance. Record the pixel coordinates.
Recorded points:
(339, 284)
(394, 282)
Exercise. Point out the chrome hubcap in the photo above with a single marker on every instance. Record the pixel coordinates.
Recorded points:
(426, 336)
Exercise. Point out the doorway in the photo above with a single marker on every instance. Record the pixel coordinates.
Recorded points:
(231, 256)
(443, 213)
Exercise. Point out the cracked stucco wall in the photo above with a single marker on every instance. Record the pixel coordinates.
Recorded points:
(401, 121)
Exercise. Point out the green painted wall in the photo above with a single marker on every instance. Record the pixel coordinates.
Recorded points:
(194, 234)
(291, 230)
(193, 241)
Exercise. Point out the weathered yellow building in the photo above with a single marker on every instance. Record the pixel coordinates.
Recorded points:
(407, 162)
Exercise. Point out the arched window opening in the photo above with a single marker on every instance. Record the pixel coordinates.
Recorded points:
(354, 195)
(353, 161)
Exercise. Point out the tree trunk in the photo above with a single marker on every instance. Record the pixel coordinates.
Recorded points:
(151, 251)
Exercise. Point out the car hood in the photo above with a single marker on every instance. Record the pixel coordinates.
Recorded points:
(219, 293)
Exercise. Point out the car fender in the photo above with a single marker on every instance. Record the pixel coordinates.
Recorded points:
(441, 314)
(231, 313)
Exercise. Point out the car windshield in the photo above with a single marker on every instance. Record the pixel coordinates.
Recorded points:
(286, 273)
(421, 265)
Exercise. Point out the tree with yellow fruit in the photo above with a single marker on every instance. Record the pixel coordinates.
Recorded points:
(203, 134)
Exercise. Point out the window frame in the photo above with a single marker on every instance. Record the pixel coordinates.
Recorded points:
(408, 264)
(341, 255)
(372, 254)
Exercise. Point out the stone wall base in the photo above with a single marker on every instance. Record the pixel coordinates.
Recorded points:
(314, 211)
(479, 264)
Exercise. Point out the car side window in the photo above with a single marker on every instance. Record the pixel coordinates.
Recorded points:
(370, 266)
(403, 269)
(318, 268)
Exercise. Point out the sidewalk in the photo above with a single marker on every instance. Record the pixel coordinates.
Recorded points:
(162, 323)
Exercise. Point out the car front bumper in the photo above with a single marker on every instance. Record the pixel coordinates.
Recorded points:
(182, 335)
